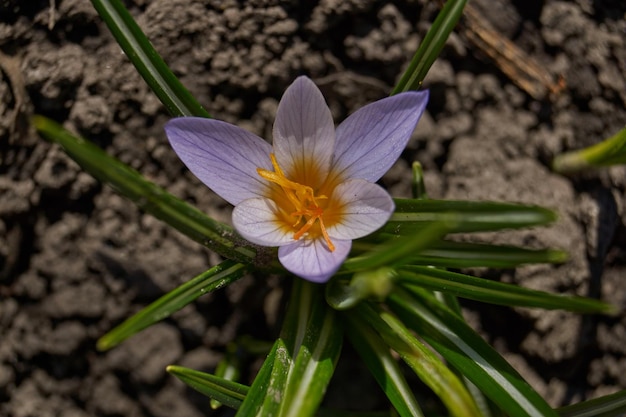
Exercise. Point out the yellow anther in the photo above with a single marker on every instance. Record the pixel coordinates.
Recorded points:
(303, 198)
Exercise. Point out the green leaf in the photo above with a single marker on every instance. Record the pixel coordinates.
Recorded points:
(259, 390)
(612, 405)
(467, 255)
(425, 363)
(226, 392)
(151, 198)
(418, 188)
(431, 46)
(300, 370)
(466, 351)
(611, 151)
(494, 292)
(401, 249)
(452, 303)
(175, 97)
(228, 368)
(413, 215)
(217, 277)
(384, 367)
(315, 342)
(283, 362)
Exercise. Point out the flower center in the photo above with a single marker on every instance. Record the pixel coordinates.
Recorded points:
(307, 209)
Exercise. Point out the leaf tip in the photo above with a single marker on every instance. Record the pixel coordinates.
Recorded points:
(558, 256)
(104, 343)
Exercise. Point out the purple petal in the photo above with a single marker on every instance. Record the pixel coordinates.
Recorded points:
(223, 156)
(370, 140)
(311, 259)
(257, 220)
(366, 207)
(304, 133)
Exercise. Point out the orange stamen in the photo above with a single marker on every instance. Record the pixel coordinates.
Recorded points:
(303, 199)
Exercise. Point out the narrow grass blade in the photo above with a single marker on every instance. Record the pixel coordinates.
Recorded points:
(401, 249)
(467, 255)
(148, 196)
(612, 405)
(283, 363)
(452, 303)
(418, 188)
(466, 351)
(217, 277)
(229, 393)
(295, 381)
(425, 363)
(487, 291)
(384, 367)
(258, 392)
(611, 151)
(412, 215)
(315, 343)
(175, 97)
(229, 368)
(431, 46)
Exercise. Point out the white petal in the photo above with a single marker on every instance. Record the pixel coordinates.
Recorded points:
(365, 207)
(311, 259)
(256, 219)
(372, 139)
(304, 133)
(223, 156)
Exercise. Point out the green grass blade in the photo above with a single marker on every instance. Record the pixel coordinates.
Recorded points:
(418, 188)
(452, 303)
(277, 383)
(612, 405)
(611, 151)
(467, 255)
(315, 343)
(425, 363)
(384, 367)
(217, 277)
(229, 393)
(228, 368)
(148, 196)
(304, 359)
(175, 97)
(431, 46)
(259, 390)
(401, 249)
(471, 216)
(494, 292)
(466, 351)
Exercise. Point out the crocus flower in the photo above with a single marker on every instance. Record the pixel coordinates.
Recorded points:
(314, 190)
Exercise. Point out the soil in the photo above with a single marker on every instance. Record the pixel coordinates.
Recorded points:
(76, 259)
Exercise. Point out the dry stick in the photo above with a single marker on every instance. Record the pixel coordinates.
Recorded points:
(512, 61)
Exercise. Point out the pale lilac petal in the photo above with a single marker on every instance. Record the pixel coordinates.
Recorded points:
(366, 207)
(371, 139)
(311, 259)
(304, 133)
(256, 219)
(223, 156)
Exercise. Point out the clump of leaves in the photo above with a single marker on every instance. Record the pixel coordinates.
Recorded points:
(315, 200)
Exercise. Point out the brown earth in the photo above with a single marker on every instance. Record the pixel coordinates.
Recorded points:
(76, 259)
